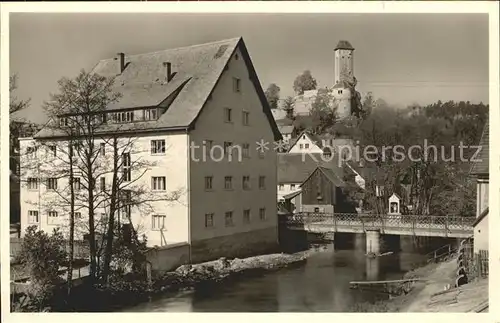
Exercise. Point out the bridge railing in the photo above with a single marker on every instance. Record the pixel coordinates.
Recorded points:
(380, 221)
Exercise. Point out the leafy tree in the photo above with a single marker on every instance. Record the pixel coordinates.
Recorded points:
(273, 95)
(288, 106)
(368, 104)
(304, 82)
(436, 186)
(42, 255)
(323, 111)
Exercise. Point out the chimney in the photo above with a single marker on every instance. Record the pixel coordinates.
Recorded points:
(121, 58)
(170, 75)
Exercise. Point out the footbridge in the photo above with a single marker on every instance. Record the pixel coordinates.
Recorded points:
(375, 225)
(415, 225)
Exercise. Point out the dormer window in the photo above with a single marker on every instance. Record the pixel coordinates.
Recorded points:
(151, 114)
(120, 117)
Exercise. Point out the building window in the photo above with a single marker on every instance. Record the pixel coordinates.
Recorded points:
(100, 119)
(33, 217)
(150, 114)
(301, 146)
(158, 222)
(246, 150)
(307, 146)
(53, 150)
(77, 185)
(208, 182)
(78, 215)
(102, 149)
(209, 220)
(228, 182)
(63, 122)
(262, 214)
(281, 187)
(102, 184)
(227, 147)
(157, 147)
(246, 182)
(246, 118)
(208, 145)
(292, 186)
(31, 151)
(120, 117)
(158, 183)
(124, 205)
(127, 172)
(229, 219)
(262, 182)
(236, 84)
(228, 115)
(32, 183)
(246, 216)
(52, 218)
(340, 91)
(52, 183)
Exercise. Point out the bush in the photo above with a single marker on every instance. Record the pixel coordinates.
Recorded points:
(41, 256)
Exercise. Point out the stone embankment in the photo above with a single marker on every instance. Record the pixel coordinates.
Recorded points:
(188, 276)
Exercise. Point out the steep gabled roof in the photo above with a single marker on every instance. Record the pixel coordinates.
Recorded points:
(286, 129)
(197, 72)
(314, 139)
(332, 173)
(481, 166)
(295, 168)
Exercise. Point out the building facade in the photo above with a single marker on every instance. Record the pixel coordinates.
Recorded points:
(194, 115)
(480, 170)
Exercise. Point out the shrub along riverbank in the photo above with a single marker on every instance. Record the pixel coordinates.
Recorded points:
(128, 290)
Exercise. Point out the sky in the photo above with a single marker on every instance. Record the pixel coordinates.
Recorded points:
(401, 58)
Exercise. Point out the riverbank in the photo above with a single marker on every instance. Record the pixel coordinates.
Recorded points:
(129, 290)
(435, 293)
(188, 276)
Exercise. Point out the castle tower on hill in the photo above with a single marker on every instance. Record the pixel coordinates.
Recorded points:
(341, 90)
(344, 78)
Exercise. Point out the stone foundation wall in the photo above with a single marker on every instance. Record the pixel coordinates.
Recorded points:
(238, 245)
(168, 257)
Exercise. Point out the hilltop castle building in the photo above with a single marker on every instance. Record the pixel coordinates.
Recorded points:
(341, 90)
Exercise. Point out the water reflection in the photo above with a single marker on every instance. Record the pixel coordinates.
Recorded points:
(372, 268)
(320, 285)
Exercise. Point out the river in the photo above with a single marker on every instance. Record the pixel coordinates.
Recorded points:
(321, 284)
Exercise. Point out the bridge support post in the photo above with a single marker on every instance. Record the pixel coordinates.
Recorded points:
(359, 241)
(373, 241)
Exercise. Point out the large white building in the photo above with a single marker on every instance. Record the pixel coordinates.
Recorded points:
(204, 95)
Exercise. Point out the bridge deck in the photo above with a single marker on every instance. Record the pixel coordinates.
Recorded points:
(432, 226)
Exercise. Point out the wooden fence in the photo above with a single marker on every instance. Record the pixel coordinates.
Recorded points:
(475, 264)
(481, 260)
